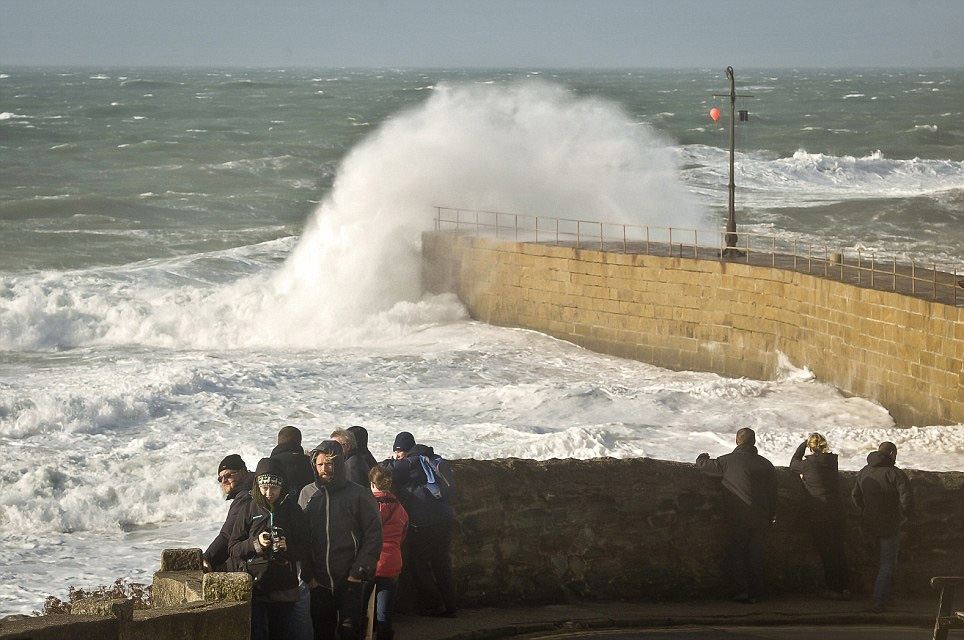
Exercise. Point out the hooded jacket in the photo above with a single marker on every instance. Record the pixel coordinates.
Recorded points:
(217, 551)
(409, 481)
(883, 495)
(296, 467)
(820, 479)
(361, 444)
(394, 527)
(750, 499)
(344, 528)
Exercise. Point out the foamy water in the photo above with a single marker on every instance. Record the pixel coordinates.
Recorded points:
(176, 308)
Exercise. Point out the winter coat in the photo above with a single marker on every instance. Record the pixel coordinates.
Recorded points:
(217, 551)
(750, 499)
(357, 468)
(297, 469)
(883, 495)
(821, 481)
(394, 527)
(409, 480)
(275, 573)
(344, 529)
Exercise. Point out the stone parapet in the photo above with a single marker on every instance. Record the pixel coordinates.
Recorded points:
(709, 315)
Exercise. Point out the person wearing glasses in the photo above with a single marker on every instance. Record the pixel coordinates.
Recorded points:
(235, 481)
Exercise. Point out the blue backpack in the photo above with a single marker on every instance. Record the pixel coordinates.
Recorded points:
(437, 484)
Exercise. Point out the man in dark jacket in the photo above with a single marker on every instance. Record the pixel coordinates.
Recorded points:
(356, 467)
(235, 481)
(344, 542)
(361, 443)
(749, 504)
(883, 495)
(294, 463)
(431, 517)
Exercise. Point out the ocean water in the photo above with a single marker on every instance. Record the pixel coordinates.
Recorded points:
(190, 260)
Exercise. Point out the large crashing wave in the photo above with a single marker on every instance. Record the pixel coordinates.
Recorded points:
(530, 148)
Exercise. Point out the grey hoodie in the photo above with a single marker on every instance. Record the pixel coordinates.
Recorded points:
(344, 527)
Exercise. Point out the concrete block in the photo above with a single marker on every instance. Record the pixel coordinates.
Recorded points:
(120, 608)
(181, 560)
(174, 588)
(226, 587)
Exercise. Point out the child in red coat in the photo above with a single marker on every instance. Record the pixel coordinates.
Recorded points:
(394, 528)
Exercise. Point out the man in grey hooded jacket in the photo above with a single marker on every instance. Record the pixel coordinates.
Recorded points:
(344, 541)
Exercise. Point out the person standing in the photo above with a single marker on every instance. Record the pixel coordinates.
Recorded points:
(749, 507)
(885, 500)
(356, 467)
(267, 542)
(235, 481)
(297, 469)
(825, 515)
(394, 528)
(361, 441)
(424, 484)
(344, 542)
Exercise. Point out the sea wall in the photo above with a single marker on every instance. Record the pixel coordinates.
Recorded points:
(710, 315)
(554, 531)
(640, 529)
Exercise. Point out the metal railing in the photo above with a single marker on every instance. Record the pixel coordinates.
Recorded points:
(928, 280)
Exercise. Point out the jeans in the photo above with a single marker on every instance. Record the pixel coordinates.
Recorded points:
(885, 572)
(386, 590)
(337, 614)
(273, 621)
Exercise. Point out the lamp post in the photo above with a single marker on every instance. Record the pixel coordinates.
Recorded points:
(730, 236)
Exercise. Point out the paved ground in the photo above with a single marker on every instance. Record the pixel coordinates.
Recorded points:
(791, 618)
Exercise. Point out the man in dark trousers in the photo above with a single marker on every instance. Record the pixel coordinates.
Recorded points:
(749, 505)
(883, 495)
(235, 481)
(344, 542)
(294, 463)
(431, 518)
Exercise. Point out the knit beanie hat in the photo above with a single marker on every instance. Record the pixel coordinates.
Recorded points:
(404, 441)
(270, 472)
(232, 462)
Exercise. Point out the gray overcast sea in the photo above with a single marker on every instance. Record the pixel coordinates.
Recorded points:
(191, 259)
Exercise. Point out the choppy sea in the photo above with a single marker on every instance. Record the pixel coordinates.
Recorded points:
(191, 259)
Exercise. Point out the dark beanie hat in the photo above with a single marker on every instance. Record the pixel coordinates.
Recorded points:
(404, 441)
(232, 462)
(270, 471)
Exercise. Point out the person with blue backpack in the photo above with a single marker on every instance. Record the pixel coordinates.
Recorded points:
(425, 486)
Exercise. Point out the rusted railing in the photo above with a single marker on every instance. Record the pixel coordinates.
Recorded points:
(929, 280)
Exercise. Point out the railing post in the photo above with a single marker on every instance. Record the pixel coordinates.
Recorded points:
(810, 257)
(578, 234)
(858, 266)
(647, 239)
(478, 227)
(517, 227)
(670, 242)
(913, 276)
(601, 246)
(843, 260)
(895, 273)
(773, 251)
(557, 232)
(934, 268)
(625, 248)
(873, 267)
(537, 228)
(696, 244)
(826, 261)
(747, 236)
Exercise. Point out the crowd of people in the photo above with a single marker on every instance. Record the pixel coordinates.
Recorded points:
(321, 533)
(882, 495)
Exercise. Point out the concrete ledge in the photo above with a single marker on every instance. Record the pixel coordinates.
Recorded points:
(181, 560)
(174, 588)
(120, 608)
(227, 587)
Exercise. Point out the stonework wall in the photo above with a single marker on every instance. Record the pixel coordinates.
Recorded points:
(641, 530)
(725, 317)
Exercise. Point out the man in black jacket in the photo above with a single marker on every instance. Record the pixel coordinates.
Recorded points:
(883, 495)
(344, 542)
(356, 466)
(749, 504)
(430, 523)
(294, 463)
(235, 481)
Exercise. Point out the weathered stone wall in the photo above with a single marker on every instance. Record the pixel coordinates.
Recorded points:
(641, 529)
(729, 318)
